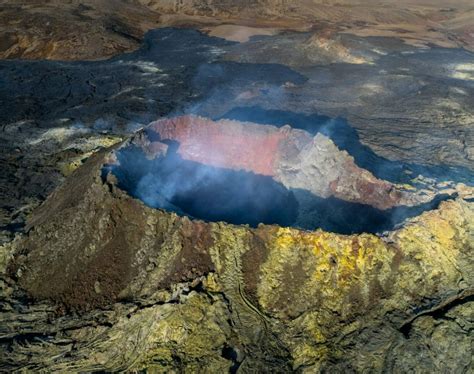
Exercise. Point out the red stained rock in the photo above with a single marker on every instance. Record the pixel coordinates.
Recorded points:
(227, 144)
(291, 156)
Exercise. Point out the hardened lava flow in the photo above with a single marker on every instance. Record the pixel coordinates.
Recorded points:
(238, 246)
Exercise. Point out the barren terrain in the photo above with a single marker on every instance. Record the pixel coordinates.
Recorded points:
(237, 186)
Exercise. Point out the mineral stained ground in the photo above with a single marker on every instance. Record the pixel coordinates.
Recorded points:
(237, 186)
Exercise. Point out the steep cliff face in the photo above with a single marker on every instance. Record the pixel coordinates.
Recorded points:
(162, 291)
(292, 157)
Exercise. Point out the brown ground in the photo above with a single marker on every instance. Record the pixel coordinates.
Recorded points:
(239, 33)
(96, 29)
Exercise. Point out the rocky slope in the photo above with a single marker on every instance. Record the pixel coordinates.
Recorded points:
(159, 291)
(86, 29)
(71, 30)
(340, 244)
(129, 287)
(292, 157)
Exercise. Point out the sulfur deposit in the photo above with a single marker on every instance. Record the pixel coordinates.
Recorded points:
(119, 285)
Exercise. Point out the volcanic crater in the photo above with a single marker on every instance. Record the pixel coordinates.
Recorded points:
(248, 173)
(301, 227)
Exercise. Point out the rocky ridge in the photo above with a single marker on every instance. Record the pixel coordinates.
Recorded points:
(99, 280)
(150, 287)
(292, 157)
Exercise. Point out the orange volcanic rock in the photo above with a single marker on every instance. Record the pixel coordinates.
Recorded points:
(226, 144)
(291, 156)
